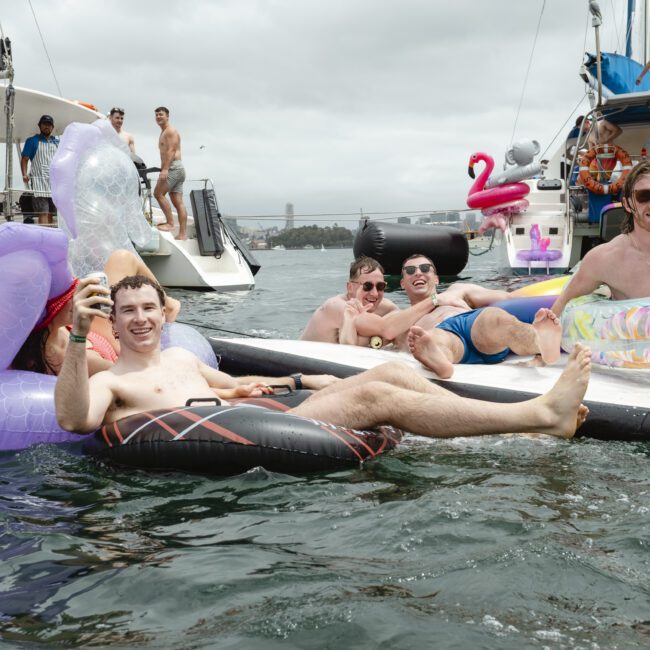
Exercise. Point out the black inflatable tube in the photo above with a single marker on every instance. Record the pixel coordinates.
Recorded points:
(606, 421)
(391, 243)
(227, 440)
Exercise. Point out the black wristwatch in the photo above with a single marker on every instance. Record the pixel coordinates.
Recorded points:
(297, 380)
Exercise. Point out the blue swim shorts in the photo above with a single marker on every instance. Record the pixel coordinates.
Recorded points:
(461, 326)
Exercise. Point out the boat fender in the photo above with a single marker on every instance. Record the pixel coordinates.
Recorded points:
(391, 243)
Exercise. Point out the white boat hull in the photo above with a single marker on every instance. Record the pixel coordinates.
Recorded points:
(180, 263)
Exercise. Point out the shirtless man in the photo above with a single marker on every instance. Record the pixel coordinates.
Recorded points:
(605, 133)
(145, 378)
(361, 315)
(623, 264)
(116, 116)
(172, 175)
(465, 329)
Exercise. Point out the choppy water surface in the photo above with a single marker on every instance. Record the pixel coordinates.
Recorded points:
(500, 542)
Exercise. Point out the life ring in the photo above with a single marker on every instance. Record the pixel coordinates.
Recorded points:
(616, 331)
(88, 105)
(227, 440)
(588, 181)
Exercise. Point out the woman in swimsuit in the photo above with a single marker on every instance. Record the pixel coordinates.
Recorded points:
(45, 347)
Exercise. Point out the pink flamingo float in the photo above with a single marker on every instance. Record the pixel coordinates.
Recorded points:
(496, 203)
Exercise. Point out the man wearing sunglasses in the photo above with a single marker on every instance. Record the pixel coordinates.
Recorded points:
(622, 264)
(116, 116)
(465, 329)
(362, 314)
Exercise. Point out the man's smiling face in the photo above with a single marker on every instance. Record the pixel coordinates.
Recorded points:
(417, 283)
(368, 288)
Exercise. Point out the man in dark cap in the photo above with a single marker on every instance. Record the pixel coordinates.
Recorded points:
(40, 149)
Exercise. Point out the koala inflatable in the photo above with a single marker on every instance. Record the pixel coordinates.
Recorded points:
(521, 155)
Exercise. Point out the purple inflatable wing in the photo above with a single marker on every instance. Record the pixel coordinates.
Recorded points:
(27, 415)
(33, 268)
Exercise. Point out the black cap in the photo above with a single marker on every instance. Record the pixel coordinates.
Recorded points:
(46, 119)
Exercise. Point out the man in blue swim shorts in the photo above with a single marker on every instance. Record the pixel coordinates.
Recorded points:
(466, 329)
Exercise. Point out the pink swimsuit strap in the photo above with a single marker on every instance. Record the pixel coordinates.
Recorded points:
(101, 345)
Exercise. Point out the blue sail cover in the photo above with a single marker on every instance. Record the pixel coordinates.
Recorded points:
(619, 75)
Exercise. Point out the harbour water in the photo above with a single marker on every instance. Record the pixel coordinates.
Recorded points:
(498, 542)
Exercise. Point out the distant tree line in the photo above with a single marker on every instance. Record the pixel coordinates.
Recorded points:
(330, 237)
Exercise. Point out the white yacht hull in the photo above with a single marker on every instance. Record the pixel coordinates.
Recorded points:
(180, 264)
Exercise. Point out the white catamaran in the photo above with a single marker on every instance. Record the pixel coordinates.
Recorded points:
(212, 258)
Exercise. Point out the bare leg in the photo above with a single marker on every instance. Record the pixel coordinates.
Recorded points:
(435, 349)
(365, 406)
(45, 219)
(177, 200)
(122, 263)
(395, 373)
(159, 194)
(494, 330)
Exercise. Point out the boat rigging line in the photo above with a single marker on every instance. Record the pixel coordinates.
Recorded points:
(201, 326)
(47, 54)
(530, 62)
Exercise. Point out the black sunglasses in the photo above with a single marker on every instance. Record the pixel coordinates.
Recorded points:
(369, 286)
(642, 196)
(411, 269)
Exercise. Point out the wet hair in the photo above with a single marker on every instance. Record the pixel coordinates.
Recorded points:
(32, 356)
(162, 109)
(412, 257)
(364, 264)
(642, 169)
(136, 282)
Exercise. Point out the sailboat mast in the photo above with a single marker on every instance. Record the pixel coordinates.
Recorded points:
(7, 72)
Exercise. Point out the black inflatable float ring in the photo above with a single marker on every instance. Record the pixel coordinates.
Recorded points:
(226, 440)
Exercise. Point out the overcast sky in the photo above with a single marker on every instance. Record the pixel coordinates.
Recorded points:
(333, 105)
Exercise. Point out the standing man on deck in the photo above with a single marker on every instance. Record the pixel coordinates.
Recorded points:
(116, 116)
(40, 149)
(172, 174)
(623, 264)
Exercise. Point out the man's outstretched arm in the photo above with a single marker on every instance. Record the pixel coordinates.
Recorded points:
(77, 408)
(585, 280)
(390, 326)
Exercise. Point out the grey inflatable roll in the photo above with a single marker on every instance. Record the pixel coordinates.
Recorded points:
(391, 243)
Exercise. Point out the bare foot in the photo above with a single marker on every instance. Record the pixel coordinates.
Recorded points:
(562, 408)
(423, 347)
(180, 237)
(549, 334)
(166, 227)
(583, 412)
